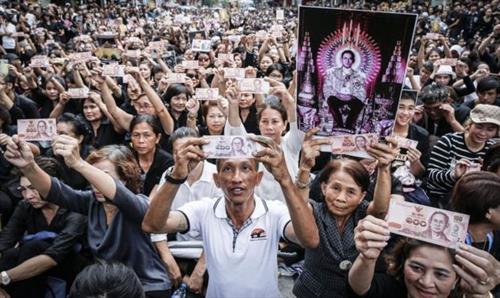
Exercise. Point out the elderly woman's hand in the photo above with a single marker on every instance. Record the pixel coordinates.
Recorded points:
(384, 153)
(272, 157)
(371, 236)
(479, 270)
(68, 148)
(311, 149)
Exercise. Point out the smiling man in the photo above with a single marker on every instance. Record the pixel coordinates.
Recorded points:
(240, 231)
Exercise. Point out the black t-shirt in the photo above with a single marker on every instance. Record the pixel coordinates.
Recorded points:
(106, 135)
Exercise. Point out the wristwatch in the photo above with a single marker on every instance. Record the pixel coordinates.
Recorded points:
(5, 278)
(172, 180)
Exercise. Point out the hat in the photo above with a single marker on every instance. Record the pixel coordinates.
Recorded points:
(445, 70)
(457, 48)
(483, 113)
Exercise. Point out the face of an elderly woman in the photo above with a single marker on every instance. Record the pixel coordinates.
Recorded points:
(428, 272)
(342, 194)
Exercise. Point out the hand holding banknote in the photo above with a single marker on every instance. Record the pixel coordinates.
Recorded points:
(311, 149)
(272, 157)
(384, 153)
(371, 236)
(187, 155)
(479, 271)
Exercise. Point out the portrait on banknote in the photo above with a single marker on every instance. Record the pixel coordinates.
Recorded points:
(351, 69)
(36, 129)
(438, 226)
(220, 147)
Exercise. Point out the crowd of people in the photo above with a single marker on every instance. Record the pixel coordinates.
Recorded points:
(123, 202)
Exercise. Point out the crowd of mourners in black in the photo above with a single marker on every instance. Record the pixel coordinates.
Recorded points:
(123, 203)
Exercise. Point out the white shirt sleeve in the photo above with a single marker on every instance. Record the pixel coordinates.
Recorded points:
(195, 212)
(234, 131)
(280, 214)
(294, 138)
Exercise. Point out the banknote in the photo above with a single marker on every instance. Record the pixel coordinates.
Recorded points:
(106, 35)
(432, 36)
(36, 129)
(257, 86)
(280, 14)
(446, 61)
(223, 57)
(261, 34)
(207, 93)
(406, 143)
(39, 61)
(201, 45)
(78, 92)
(221, 147)
(133, 53)
(353, 144)
(80, 56)
(4, 67)
(234, 73)
(190, 64)
(437, 226)
(157, 45)
(176, 78)
(113, 70)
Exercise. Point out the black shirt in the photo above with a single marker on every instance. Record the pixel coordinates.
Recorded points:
(251, 124)
(161, 162)
(68, 225)
(106, 134)
(383, 285)
(441, 127)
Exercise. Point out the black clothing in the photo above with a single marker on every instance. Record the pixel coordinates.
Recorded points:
(161, 162)
(383, 285)
(441, 127)
(106, 134)
(251, 124)
(27, 105)
(68, 225)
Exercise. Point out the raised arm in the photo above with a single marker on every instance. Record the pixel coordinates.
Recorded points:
(385, 154)
(304, 227)
(159, 218)
(370, 236)
(19, 154)
(67, 147)
(233, 118)
(165, 118)
(122, 118)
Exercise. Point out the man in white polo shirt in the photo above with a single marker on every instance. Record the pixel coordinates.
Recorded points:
(240, 231)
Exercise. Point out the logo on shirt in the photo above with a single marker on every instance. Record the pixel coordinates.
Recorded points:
(258, 234)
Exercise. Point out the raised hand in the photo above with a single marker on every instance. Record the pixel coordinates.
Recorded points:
(479, 271)
(192, 106)
(187, 155)
(272, 157)
(311, 149)
(371, 236)
(18, 153)
(384, 153)
(68, 148)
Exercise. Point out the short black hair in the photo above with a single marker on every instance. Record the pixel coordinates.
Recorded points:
(110, 280)
(487, 83)
(433, 93)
